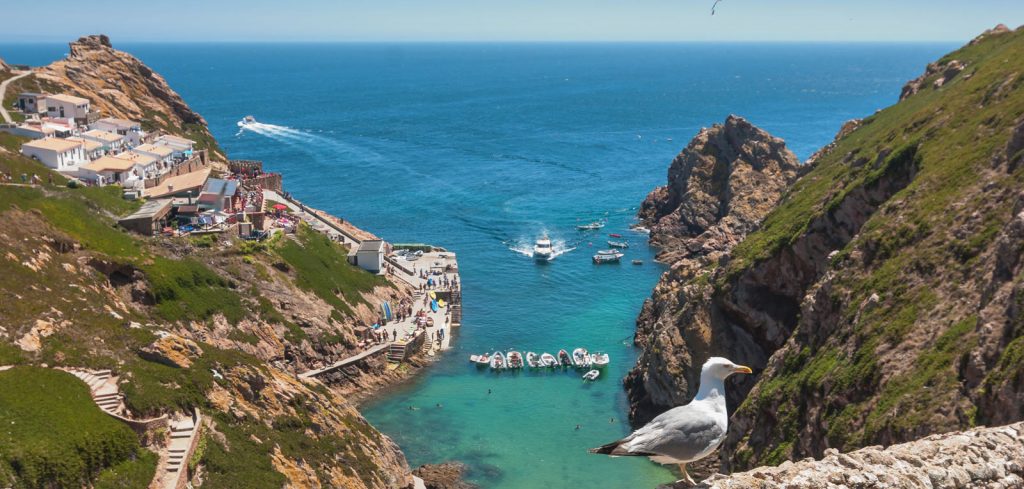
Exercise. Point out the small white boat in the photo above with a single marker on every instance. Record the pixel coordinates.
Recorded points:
(497, 361)
(591, 375)
(580, 358)
(618, 244)
(542, 250)
(599, 359)
(548, 360)
(607, 256)
(515, 359)
(638, 262)
(590, 227)
(246, 121)
(641, 230)
(533, 360)
(564, 359)
(480, 360)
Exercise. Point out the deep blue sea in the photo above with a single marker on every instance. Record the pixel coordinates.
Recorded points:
(482, 147)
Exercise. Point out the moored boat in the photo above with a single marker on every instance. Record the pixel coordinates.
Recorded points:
(564, 359)
(607, 256)
(638, 262)
(614, 235)
(641, 230)
(599, 359)
(580, 358)
(533, 360)
(480, 360)
(497, 361)
(618, 244)
(548, 360)
(515, 359)
(590, 227)
(591, 375)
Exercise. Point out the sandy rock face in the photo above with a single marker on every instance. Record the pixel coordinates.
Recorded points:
(984, 457)
(719, 188)
(172, 350)
(447, 475)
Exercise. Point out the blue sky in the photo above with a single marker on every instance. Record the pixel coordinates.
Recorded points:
(510, 20)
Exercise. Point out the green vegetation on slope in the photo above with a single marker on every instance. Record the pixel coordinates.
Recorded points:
(54, 435)
(896, 296)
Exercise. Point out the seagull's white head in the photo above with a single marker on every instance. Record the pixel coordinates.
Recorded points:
(721, 368)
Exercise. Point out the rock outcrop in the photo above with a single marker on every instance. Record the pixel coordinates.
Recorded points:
(880, 301)
(447, 475)
(120, 85)
(984, 457)
(719, 188)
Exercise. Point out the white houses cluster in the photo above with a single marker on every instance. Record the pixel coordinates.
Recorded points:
(68, 137)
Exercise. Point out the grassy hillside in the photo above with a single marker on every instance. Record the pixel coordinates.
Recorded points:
(76, 290)
(912, 328)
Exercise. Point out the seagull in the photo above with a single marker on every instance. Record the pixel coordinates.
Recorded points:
(687, 433)
(713, 6)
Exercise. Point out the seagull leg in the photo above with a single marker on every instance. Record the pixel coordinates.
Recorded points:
(686, 476)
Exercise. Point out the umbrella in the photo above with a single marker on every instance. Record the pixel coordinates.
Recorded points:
(280, 207)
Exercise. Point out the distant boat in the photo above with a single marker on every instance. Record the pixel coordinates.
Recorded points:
(590, 227)
(607, 256)
(618, 244)
(615, 235)
(247, 120)
(641, 230)
(580, 358)
(548, 360)
(599, 359)
(564, 359)
(542, 250)
(638, 262)
(515, 359)
(497, 361)
(533, 360)
(591, 375)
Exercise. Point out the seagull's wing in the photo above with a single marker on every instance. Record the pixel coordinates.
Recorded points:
(681, 433)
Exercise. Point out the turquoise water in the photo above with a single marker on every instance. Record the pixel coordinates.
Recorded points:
(480, 148)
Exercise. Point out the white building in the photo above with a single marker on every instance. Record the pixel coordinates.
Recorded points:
(63, 106)
(110, 169)
(60, 154)
(112, 142)
(131, 130)
(182, 147)
(163, 154)
(30, 103)
(93, 149)
(148, 166)
(370, 255)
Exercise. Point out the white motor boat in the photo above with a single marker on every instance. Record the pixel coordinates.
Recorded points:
(497, 361)
(580, 358)
(607, 256)
(564, 359)
(533, 360)
(542, 250)
(548, 360)
(590, 227)
(515, 359)
(480, 360)
(591, 375)
(599, 359)
(247, 120)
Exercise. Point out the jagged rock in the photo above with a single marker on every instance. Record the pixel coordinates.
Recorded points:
(945, 72)
(719, 188)
(446, 475)
(998, 29)
(983, 457)
(172, 350)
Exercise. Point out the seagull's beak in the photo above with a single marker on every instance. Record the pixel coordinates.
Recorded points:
(741, 369)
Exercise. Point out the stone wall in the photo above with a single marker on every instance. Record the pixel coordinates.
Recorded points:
(197, 162)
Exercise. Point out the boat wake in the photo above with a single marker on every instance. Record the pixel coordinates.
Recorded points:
(524, 247)
(275, 131)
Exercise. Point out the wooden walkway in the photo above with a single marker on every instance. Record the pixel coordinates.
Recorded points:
(345, 361)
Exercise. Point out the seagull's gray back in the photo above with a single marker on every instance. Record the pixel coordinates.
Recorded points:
(684, 434)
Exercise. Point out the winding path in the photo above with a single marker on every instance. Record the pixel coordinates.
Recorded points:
(3, 92)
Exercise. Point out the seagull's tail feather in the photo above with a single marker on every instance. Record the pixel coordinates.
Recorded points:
(616, 449)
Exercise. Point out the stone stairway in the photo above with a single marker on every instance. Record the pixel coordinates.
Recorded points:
(103, 388)
(183, 441)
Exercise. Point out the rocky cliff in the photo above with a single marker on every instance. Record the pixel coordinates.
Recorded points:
(120, 85)
(879, 301)
(212, 322)
(720, 188)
